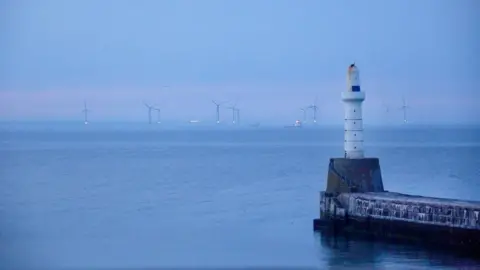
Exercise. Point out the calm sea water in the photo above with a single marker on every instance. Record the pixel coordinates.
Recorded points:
(120, 196)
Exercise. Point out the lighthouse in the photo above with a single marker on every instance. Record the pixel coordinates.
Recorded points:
(353, 172)
(352, 99)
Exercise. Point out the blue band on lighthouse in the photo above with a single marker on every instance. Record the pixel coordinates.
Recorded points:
(355, 88)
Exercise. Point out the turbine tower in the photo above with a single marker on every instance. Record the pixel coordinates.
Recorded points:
(314, 107)
(353, 98)
(304, 110)
(404, 108)
(385, 106)
(238, 116)
(159, 111)
(218, 109)
(234, 111)
(150, 108)
(85, 112)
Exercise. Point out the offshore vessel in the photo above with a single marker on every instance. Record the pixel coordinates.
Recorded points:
(298, 124)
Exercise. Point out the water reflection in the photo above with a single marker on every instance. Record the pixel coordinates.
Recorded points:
(344, 251)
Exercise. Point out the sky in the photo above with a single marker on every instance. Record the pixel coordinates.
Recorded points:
(271, 57)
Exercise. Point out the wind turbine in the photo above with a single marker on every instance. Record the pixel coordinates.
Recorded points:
(238, 116)
(387, 108)
(404, 108)
(218, 110)
(159, 111)
(304, 110)
(150, 108)
(85, 112)
(314, 107)
(234, 110)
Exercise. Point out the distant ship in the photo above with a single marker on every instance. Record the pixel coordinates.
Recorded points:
(194, 121)
(298, 124)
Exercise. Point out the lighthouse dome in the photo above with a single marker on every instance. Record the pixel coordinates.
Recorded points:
(353, 79)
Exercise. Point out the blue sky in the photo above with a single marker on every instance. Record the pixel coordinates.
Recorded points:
(272, 56)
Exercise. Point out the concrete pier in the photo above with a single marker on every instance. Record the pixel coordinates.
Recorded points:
(355, 201)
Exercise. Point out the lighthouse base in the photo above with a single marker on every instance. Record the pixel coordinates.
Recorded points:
(354, 175)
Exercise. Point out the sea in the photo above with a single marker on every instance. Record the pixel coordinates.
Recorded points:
(140, 196)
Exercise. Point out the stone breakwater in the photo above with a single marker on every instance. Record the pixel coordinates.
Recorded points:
(355, 201)
(395, 206)
(441, 222)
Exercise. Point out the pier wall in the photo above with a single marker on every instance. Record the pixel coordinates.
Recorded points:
(453, 224)
(394, 206)
(355, 201)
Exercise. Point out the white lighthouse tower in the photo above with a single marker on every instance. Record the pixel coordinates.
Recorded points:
(353, 98)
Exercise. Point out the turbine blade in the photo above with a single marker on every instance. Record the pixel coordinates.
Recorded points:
(146, 105)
